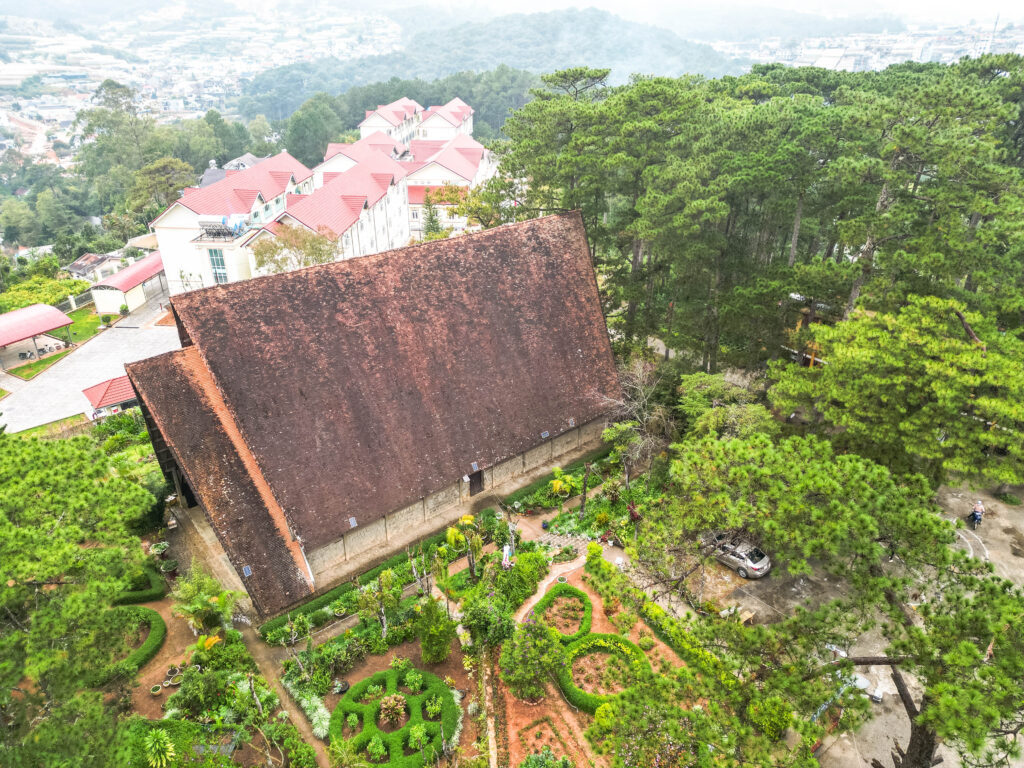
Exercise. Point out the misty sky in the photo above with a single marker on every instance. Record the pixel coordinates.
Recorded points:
(912, 11)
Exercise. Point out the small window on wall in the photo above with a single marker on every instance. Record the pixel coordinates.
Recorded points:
(415, 215)
(220, 271)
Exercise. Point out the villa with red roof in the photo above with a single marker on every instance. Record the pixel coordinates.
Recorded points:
(202, 236)
(367, 195)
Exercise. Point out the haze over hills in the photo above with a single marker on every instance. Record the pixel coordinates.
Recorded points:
(537, 42)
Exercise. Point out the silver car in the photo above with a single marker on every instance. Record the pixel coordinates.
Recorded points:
(742, 556)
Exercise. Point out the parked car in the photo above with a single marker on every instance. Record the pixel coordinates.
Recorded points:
(740, 555)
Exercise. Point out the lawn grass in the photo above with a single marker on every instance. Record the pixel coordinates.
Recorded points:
(3, 393)
(53, 427)
(36, 367)
(85, 325)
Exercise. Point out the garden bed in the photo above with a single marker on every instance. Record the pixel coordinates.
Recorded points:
(395, 740)
(568, 610)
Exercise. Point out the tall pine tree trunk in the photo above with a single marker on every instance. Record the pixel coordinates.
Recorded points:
(866, 256)
(796, 230)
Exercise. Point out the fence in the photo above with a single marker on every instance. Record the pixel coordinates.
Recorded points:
(76, 302)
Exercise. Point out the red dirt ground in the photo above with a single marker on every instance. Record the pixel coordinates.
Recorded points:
(565, 615)
(179, 637)
(568, 724)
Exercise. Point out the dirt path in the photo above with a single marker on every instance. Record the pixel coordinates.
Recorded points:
(268, 665)
(179, 637)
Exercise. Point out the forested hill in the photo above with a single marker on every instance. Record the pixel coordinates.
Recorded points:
(538, 42)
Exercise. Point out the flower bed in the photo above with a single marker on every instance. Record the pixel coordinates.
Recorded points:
(444, 731)
(537, 494)
(142, 655)
(589, 702)
(567, 591)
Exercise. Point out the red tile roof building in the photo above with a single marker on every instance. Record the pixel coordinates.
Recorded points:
(358, 195)
(325, 418)
(110, 393)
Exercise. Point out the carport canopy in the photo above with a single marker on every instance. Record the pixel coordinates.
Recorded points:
(29, 322)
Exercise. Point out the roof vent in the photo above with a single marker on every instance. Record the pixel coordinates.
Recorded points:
(572, 422)
(352, 522)
(545, 435)
(246, 571)
(475, 466)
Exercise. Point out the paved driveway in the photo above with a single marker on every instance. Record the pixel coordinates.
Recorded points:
(56, 393)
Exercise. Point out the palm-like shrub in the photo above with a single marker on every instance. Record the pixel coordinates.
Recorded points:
(159, 749)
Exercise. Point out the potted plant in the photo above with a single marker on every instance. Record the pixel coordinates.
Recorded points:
(156, 690)
(338, 608)
(172, 671)
(168, 566)
(159, 548)
(176, 680)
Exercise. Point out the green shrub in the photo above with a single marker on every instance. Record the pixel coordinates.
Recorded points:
(352, 721)
(567, 590)
(589, 702)
(105, 319)
(1009, 498)
(376, 749)
(546, 759)
(413, 681)
(529, 658)
(400, 664)
(156, 590)
(771, 716)
(418, 737)
(646, 642)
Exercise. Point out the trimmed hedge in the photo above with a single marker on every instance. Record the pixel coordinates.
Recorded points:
(142, 655)
(396, 740)
(567, 590)
(577, 466)
(589, 702)
(156, 590)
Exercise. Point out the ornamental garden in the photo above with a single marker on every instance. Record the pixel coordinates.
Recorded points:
(569, 625)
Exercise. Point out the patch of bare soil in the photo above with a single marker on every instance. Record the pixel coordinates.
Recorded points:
(522, 720)
(600, 673)
(535, 736)
(565, 614)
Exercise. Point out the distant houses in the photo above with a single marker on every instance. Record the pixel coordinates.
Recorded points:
(368, 195)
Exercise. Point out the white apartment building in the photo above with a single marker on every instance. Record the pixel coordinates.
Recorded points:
(368, 195)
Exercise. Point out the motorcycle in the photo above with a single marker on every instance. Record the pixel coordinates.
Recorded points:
(974, 519)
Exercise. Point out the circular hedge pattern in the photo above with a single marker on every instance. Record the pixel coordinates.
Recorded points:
(396, 741)
(565, 590)
(589, 702)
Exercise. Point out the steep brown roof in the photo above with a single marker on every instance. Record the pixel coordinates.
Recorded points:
(362, 386)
